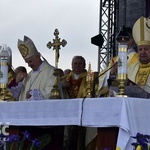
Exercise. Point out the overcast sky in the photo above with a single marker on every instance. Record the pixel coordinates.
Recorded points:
(76, 20)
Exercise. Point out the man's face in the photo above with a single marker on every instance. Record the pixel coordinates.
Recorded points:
(33, 62)
(144, 54)
(78, 66)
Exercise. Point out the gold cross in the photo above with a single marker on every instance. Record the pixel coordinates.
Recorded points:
(56, 46)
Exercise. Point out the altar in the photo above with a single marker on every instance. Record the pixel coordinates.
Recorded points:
(131, 115)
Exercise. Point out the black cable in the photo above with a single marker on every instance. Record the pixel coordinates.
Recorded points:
(82, 110)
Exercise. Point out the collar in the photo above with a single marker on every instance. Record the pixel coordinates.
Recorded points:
(76, 76)
(144, 65)
(39, 68)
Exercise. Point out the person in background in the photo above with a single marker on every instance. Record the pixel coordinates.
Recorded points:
(67, 71)
(75, 85)
(11, 75)
(75, 82)
(20, 69)
(61, 73)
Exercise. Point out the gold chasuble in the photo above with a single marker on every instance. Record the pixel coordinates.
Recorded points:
(142, 74)
(78, 86)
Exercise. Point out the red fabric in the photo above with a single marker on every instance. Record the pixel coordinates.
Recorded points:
(107, 138)
(12, 83)
(74, 89)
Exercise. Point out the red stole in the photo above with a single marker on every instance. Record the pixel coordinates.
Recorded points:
(74, 89)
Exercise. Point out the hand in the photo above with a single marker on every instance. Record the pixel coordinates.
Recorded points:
(28, 94)
(114, 69)
(65, 84)
(20, 77)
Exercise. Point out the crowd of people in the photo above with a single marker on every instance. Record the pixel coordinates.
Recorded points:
(38, 83)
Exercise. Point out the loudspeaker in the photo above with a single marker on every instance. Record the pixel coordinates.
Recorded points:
(97, 40)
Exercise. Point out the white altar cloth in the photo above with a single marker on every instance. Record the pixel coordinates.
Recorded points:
(41, 113)
(131, 115)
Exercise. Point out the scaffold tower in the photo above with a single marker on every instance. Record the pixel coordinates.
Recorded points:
(108, 27)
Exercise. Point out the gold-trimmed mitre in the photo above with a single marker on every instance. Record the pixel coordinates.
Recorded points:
(141, 31)
(27, 48)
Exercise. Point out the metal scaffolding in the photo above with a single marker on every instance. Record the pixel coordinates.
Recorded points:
(107, 28)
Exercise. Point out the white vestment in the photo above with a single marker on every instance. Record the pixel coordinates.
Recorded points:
(42, 80)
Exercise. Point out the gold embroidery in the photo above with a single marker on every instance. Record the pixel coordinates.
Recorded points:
(23, 50)
(142, 76)
(74, 89)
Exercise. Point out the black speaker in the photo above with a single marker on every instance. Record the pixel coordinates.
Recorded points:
(97, 40)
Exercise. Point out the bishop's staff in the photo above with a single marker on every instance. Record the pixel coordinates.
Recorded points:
(55, 94)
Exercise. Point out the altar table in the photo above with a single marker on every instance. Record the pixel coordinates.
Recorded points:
(131, 115)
